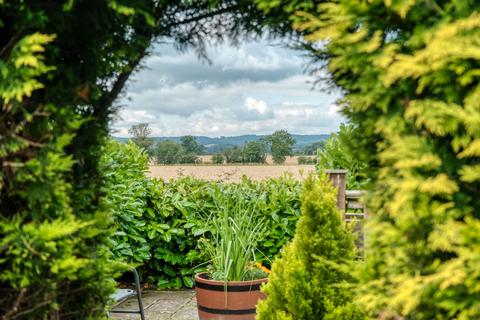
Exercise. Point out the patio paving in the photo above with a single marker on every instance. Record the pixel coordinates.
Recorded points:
(162, 305)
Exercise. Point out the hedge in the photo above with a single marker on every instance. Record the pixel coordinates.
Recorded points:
(158, 224)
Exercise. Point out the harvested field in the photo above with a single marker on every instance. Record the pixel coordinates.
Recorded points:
(229, 172)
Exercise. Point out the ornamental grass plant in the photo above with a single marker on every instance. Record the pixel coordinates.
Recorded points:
(236, 230)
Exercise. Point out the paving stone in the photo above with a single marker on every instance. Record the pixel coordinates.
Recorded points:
(162, 305)
(186, 314)
(171, 306)
(158, 316)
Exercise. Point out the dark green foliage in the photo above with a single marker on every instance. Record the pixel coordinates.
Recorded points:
(55, 89)
(62, 66)
(233, 155)
(217, 158)
(140, 136)
(189, 158)
(306, 160)
(254, 152)
(172, 152)
(169, 152)
(311, 149)
(281, 145)
(338, 152)
(159, 224)
(191, 146)
(310, 280)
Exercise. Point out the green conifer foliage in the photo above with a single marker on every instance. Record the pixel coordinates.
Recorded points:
(311, 278)
(410, 73)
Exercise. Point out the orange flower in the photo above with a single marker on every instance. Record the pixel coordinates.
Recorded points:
(261, 267)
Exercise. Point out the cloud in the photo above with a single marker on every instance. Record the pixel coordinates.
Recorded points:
(256, 105)
(254, 88)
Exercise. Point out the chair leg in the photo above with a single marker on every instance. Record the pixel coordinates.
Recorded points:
(139, 294)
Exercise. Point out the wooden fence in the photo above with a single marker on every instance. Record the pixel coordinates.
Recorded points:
(349, 202)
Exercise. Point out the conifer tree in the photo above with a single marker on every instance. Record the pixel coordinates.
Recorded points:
(310, 280)
(410, 73)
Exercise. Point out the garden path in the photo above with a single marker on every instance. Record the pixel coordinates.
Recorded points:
(162, 305)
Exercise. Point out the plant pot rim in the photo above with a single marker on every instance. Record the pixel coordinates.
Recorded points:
(199, 278)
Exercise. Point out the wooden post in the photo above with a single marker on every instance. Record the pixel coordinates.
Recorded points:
(337, 177)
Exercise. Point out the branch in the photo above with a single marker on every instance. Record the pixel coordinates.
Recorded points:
(11, 43)
(16, 304)
(101, 111)
(203, 16)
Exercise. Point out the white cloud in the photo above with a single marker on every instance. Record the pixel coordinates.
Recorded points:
(251, 89)
(257, 105)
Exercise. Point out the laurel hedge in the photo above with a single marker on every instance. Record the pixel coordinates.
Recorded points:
(158, 224)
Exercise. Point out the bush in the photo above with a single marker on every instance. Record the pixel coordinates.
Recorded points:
(158, 225)
(217, 158)
(338, 153)
(189, 158)
(310, 279)
(412, 91)
(306, 160)
(233, 155)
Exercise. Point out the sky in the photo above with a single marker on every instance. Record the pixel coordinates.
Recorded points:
(255, 88)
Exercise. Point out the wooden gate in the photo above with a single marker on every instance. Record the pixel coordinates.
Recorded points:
(350, 203)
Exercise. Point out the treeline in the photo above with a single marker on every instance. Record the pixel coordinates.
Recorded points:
(279, 144)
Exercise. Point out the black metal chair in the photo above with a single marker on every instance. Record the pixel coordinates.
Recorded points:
(123, 294)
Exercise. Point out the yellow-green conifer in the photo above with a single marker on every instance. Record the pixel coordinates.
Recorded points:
(311, 278)
(410, 72)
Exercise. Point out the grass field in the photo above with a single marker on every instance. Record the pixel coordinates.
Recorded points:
(229, 172)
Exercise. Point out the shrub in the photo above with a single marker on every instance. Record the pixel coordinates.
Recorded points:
(55, 62)
(310, 279)
(189, 158)
(218, 158)
(233, 155)
(412, 91)
(158, 225)
(338, 153)
(306, 160)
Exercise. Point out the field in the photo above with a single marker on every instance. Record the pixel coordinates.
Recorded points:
(289, 161)
(229, 172)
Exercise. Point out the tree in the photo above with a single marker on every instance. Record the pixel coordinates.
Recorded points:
(281, 145)
(141, 133)
(311, 278)
(63, 65)
(190, 145)
(169, 152)
(233, 154)
(254, 152)
(312, 148)
(218, 158)
(411, 89)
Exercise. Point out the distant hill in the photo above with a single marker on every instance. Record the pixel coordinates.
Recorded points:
(217, 144)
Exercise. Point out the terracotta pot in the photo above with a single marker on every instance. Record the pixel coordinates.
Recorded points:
(238, 301)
